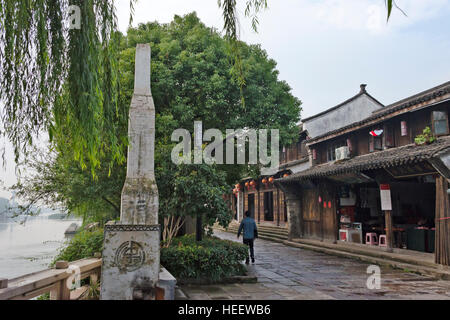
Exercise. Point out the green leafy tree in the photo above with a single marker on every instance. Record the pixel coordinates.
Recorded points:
(40, 59)
(191, 80)
(60, 80)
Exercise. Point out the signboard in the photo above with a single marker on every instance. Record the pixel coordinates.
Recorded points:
(385, 193)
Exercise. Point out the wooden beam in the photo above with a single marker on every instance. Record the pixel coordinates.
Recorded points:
(259, 206)
(442, 234)
(278, 207)
(389, 230)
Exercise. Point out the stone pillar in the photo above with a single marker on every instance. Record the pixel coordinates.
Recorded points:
(294, 213)
(130, 264)
(139, 202)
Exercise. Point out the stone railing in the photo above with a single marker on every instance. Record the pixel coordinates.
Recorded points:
(58, 282)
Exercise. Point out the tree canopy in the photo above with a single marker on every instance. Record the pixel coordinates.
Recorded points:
(191, 80)
(65, 82)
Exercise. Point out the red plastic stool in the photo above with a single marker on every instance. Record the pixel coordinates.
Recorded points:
(371, 239)
(382, 242)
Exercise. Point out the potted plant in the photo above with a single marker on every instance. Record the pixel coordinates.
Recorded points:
(426, 137)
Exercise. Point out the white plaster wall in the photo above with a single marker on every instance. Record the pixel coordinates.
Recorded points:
(354, 111)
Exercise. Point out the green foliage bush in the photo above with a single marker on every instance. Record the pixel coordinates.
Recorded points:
(211, 259)
(83, 245)
(426, 137)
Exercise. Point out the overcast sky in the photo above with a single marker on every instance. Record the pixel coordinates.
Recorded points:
(326, 48)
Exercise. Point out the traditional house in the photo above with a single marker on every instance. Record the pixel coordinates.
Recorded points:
(265, 201)
(382, 178)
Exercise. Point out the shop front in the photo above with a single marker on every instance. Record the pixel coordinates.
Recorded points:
(394, 199)
(411, 202)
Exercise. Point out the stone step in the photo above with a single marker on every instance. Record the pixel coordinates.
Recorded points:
(275, 230)
(266, 235)
(423, 270)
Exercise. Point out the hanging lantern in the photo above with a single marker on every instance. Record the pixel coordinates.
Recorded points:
(270, 179)
(320, 199)
(252, 183)
(264, 181)
(286, 175)
(246, 184)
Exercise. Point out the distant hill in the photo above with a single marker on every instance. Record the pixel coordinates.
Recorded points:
(10, 208)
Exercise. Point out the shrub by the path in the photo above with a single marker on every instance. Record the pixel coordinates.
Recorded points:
(211, 259)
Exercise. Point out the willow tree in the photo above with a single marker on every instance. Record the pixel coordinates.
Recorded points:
(60, 80)
(64, 81)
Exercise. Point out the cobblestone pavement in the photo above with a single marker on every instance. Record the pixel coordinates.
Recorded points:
(296, 274)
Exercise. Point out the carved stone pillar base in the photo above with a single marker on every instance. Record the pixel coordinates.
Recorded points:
(130, 266)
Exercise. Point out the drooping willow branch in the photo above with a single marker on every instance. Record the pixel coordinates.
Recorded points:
(65, 81)
(60, 80)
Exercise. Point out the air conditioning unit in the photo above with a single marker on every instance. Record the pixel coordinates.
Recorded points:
(342, 153)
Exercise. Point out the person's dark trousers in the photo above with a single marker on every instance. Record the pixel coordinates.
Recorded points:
(249, 242)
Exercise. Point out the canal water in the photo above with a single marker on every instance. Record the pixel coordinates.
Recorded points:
(29, 244)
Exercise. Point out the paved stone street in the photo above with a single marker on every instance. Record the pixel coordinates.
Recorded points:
(290, 273)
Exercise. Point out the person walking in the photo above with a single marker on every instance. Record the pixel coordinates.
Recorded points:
(248, 225)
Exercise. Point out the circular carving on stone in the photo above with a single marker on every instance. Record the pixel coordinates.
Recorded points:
(130, 256)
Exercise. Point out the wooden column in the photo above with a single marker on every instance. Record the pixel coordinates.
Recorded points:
(278, 207)
(259, 206)
(442, 235)
(233, 205)
(389, 231)
(335, 222)
(245, 198)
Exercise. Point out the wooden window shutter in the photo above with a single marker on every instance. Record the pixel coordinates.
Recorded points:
(371, 144)
(389, 136)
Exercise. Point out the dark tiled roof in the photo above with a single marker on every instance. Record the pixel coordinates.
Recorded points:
(424, 96)
(408, 154)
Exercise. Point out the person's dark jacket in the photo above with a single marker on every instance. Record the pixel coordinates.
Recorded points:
(249, 226)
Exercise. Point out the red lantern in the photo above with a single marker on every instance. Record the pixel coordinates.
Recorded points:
(252, 183)
(270, 179)
(320, 199)
(264, 180)
(286, 175)
(246, 184)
